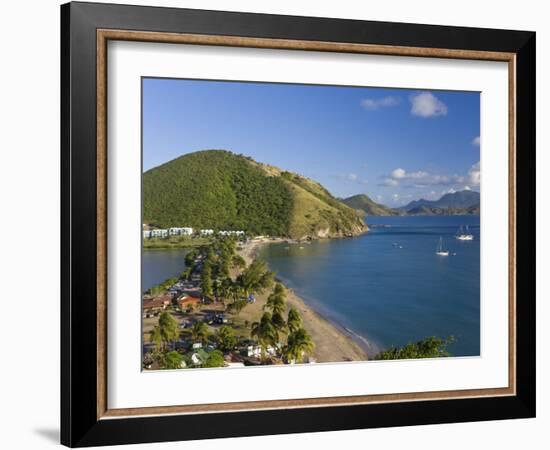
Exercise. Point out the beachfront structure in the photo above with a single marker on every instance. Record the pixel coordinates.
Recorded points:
(188, 231)
(231, 233)
(161, 233)
(180, 231)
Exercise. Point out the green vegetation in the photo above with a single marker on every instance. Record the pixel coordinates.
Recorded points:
(165, 332)
(299, 343)
(431, 347)
(294, 320)
(226, 281)
(317, 213)
(175, 242)
(215, 359)
(256, 277)
(225, 337)
(367, 206)
(216, 189)
(265, 332)
(161, 287)
(276, 300)
(221, 190)
(199, 332)
(173, 360)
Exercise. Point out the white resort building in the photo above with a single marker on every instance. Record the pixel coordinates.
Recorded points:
(180, 231)
(187, 231)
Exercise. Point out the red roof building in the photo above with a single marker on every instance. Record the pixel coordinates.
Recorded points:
(158, 303)
(186, 300)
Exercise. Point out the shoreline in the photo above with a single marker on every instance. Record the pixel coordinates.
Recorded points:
(333, 342)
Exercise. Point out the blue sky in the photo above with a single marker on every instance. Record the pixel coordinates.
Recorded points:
(395, 145)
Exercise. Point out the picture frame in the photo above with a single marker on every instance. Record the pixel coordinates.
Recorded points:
(86, 28)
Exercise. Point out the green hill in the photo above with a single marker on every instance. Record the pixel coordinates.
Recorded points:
(221, 190)
(364, 203)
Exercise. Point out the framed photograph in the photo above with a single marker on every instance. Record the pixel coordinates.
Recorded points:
(276, 224)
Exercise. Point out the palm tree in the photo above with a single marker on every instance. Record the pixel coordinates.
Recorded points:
(298, 344)
(278, 322)
(256, 277)
(168, 328)
(216, 289)
(224, 288)
(265, 332)
(226, 338)
(294, 320)
(199, 332)
(238, 261)
(206, 280)
(236, 291)
(156, 336)
(276, 300)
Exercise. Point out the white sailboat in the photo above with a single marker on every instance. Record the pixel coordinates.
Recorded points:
(439, 251)
(464, 235)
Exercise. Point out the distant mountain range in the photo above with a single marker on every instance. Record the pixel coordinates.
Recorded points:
(434, 211)
(457, 200)
(369, 207)
(456, 203)
(221, 190)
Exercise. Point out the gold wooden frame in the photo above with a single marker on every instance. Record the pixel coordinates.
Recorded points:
(104, 35)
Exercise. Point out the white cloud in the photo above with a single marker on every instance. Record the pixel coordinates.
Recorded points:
(467, 188)
(419, 179)
(398, 173)
(388, 182)
(476, 142)
(348, 176)
(426, 104)
(352, 177)
(374, 104)
(474, 174)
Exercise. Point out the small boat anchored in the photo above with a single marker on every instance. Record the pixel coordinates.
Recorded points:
(464, 234)
(439, 251)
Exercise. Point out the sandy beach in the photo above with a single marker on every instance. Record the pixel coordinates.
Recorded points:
(331, 343)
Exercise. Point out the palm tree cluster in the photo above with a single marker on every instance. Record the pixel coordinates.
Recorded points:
(272, 323)
(216, 262)
(165, 332)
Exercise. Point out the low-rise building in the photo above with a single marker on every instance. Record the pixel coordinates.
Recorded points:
(160, 233)
(256, 351)
(156, 304)
(206, 232)
(231, 233)
(180, 231)
(186, 300)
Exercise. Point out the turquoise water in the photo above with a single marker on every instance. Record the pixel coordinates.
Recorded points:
(388, 286)
(158, 265)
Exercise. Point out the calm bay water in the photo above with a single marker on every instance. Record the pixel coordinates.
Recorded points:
(158, 265)
(389, 286)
